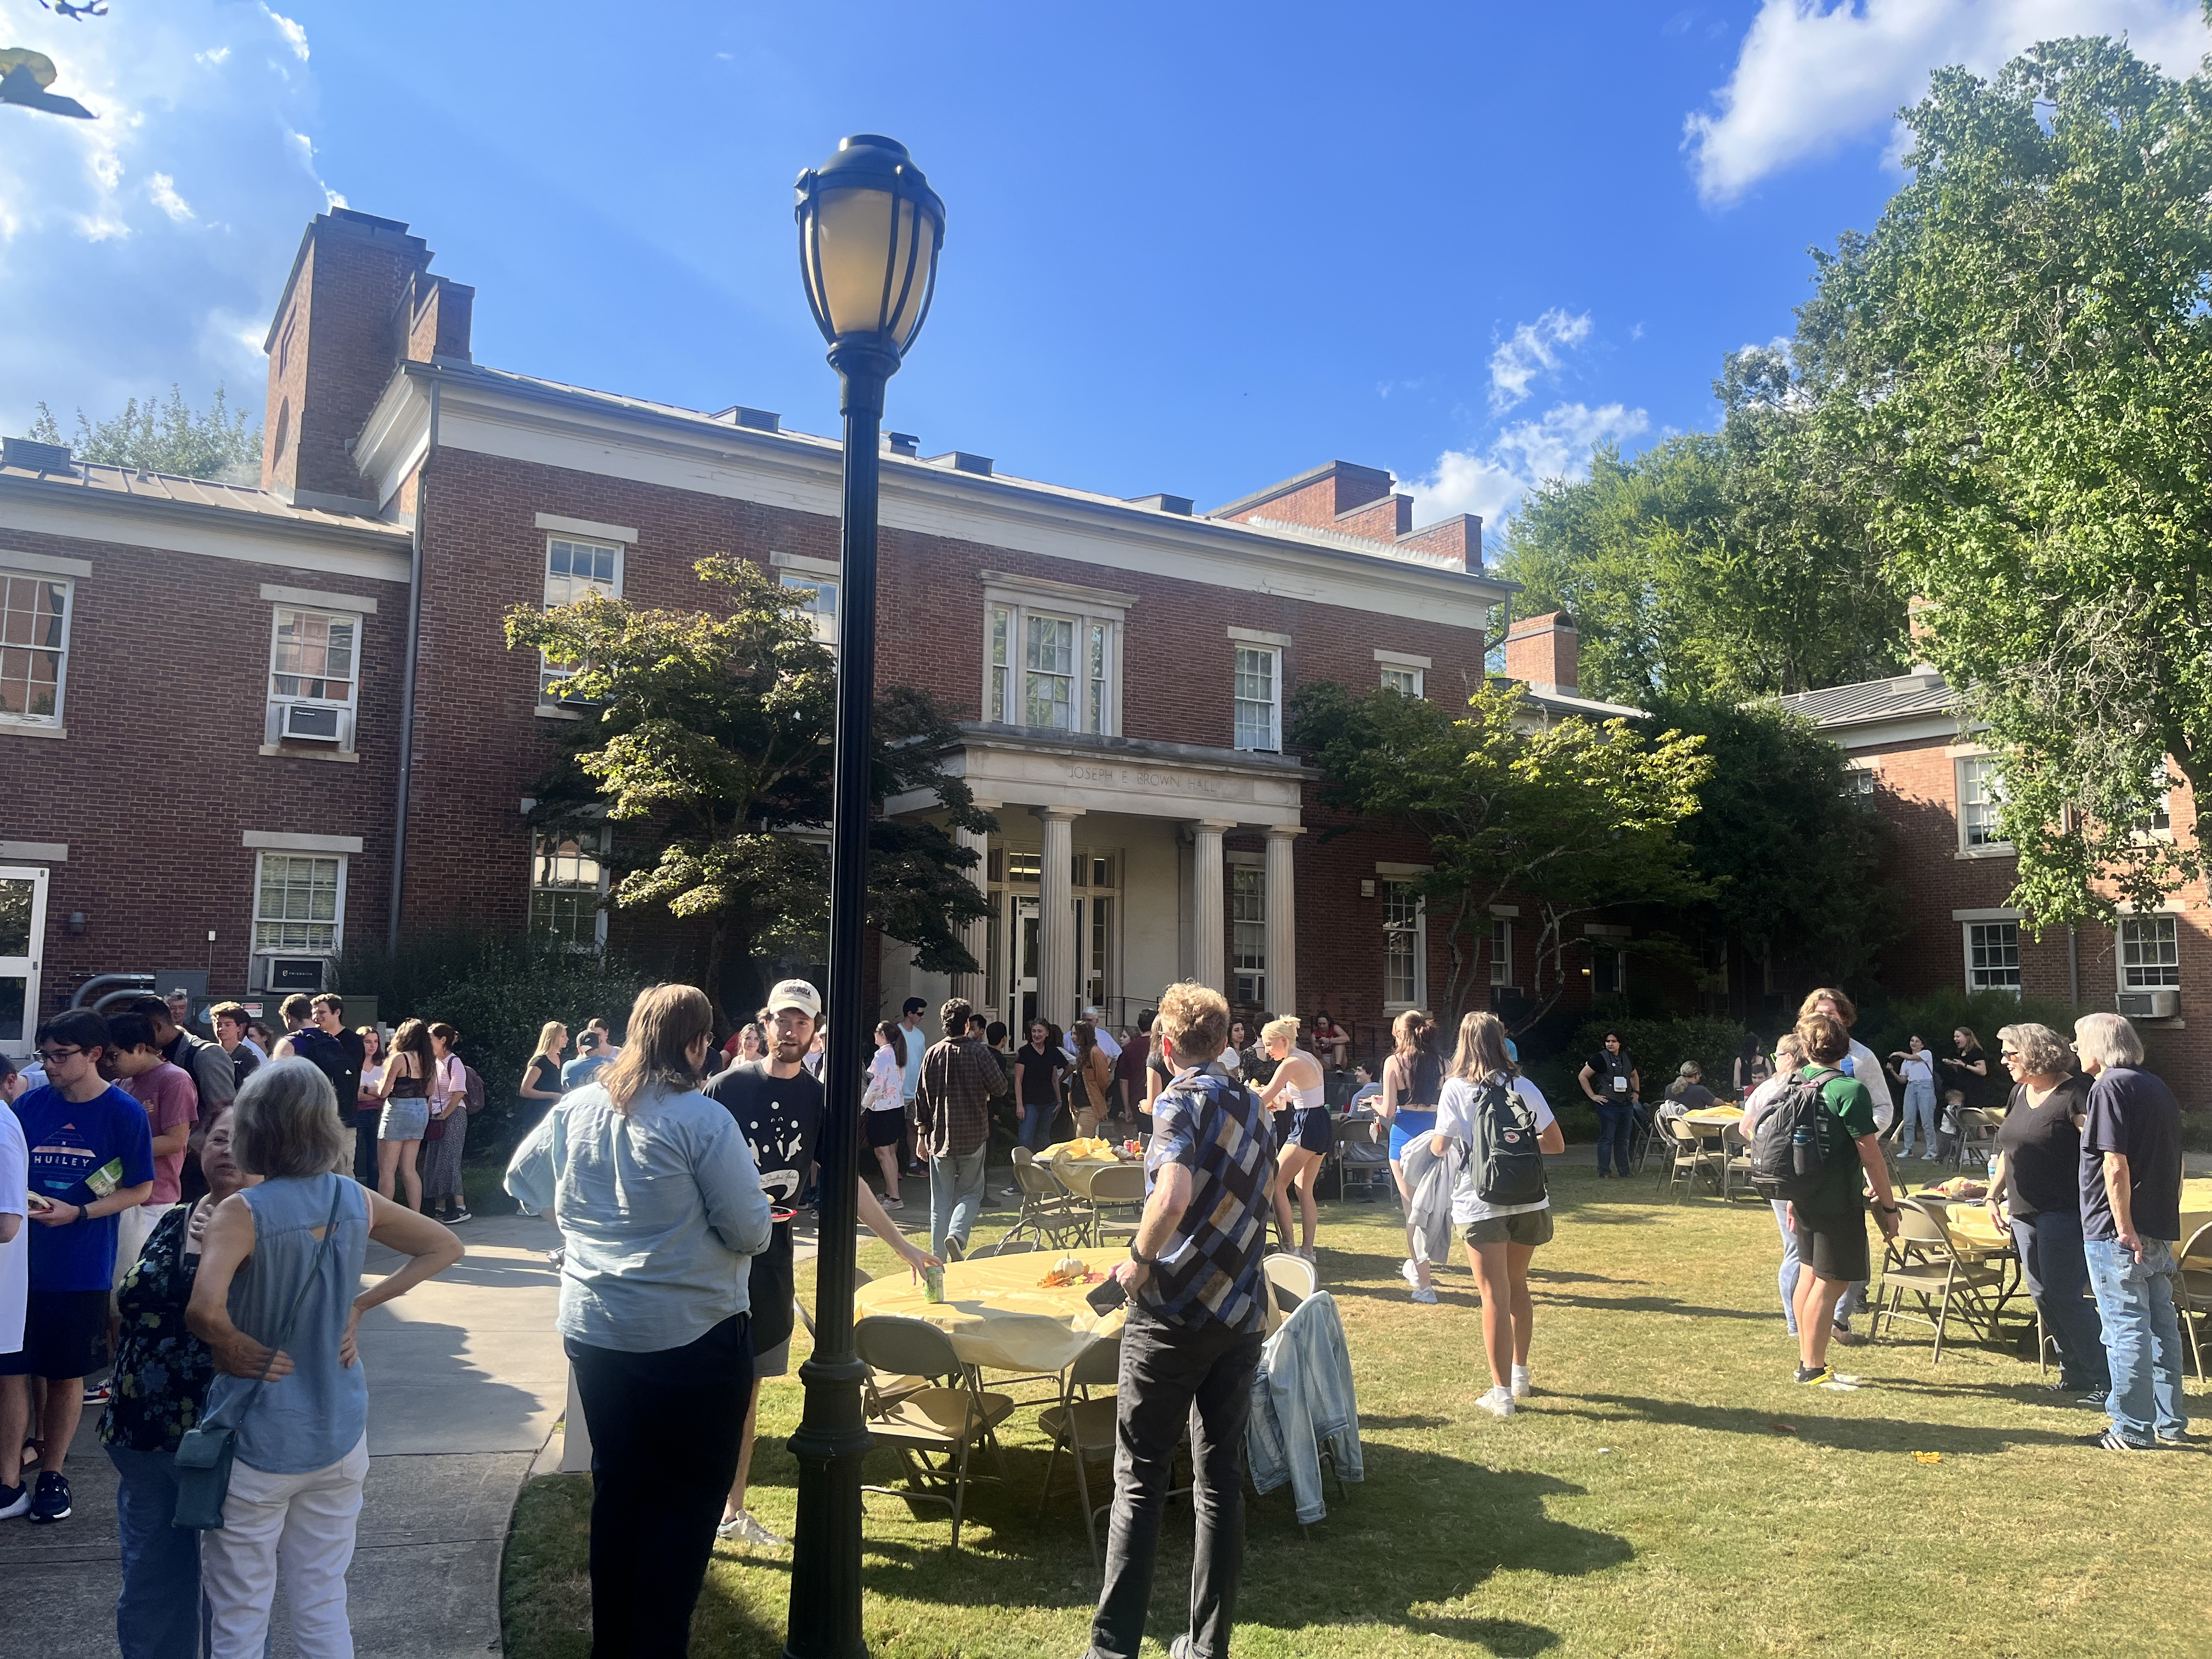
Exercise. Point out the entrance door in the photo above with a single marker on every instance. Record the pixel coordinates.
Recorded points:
(22, 937)
(1024, 998)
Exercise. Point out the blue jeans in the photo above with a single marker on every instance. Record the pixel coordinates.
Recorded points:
(1037, 1125)
(1919, 1108)
(2056, 1271)
(2143, 1337)
(157, 1616)
(956, 1196)
(1613, 1122)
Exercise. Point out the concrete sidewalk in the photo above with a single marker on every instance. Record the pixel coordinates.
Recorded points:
(466, 1379)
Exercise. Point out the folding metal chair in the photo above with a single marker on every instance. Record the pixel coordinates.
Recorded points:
(1084, 1427)
(1291, 1280)
(1049, 1212)
(943, 1423)
(1926, 1259)
(1117, 1201)
(2196, 1290)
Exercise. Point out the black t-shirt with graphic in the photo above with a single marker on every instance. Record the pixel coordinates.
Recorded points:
(780, 1117)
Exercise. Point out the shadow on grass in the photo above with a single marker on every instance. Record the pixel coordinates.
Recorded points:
(1566, 1276)
(1353, 1570)
(1871, 1434)
(1657, 1305)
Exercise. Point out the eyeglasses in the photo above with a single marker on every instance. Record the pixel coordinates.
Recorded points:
(55, 1056)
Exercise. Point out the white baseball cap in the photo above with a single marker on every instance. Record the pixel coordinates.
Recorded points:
(796, 993)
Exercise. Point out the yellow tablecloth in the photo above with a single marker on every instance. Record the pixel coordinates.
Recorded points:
(1971, 1224)
(997, 1314)
(1074, 1170)
(2191, 1221)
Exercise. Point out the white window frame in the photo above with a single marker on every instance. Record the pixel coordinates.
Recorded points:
(264, 953)
(546, 671)
(1095, 696)
(2157, 966)
(1965, 771)
(825, 625)
(1981, 978)
(1501, 951)
(1396, 676)
(55, 722)
(280, 700)
(1273, 654)
(599, 940)
(1252, 965)
(1416, 935)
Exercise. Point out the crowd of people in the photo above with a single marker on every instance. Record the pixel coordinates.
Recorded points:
(194, 1230)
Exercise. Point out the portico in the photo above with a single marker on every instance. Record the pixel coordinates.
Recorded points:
(1108, 875)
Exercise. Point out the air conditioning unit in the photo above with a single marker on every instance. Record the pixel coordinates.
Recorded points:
(296, 974)
(313, 722)
(2150, 1004)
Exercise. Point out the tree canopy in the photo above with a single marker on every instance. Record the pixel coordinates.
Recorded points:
(219, 443)
(2019, 360)
(1562, 818)
(708, 744)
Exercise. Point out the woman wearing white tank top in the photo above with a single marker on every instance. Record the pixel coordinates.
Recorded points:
(1298, 1160)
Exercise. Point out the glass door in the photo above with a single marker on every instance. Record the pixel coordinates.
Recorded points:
(22, 935)
(1023, 1000)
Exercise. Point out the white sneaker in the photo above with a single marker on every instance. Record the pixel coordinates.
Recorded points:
(1409, 1272)
(1425, 1293)
(1499, 1402)
(1521, 1389)
(744, 1529)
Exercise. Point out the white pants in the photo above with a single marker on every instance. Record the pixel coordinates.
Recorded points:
(133, 1227)
(302, 1525)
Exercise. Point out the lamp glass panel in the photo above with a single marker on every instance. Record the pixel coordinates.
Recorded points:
(853, 233)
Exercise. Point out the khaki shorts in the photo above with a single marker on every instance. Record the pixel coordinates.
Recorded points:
(1530, 1227)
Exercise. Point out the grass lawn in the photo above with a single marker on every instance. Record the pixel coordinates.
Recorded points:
(1669, 1490)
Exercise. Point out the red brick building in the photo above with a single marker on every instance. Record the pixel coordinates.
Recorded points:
(243, 727)
(1934, 782)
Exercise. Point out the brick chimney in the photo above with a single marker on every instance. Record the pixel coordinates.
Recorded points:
(1363, 502)
(1544, 652)
(359, 301)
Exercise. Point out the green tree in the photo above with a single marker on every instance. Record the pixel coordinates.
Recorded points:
(710, 741)
(1788, 853)
(2020, 359)
(219, 443)
(1562, 818)
(1716, 565)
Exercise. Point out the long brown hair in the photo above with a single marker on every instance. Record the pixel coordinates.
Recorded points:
(1411, 1034)
(1086, 1039)
(1481, 1051)
(664, 1021)
(413, 1037)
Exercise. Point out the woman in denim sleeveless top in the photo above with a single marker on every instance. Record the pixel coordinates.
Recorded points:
(302, 1443)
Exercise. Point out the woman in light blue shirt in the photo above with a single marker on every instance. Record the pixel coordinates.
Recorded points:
(661, 1212)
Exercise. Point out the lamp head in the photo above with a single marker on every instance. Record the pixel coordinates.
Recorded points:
(869, 230)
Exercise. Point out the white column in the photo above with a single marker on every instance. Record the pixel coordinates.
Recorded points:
(1210, 905)
(975, 989)
(1282, 920)
(1056, 916)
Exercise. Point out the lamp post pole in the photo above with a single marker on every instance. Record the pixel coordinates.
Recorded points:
(824, 1619)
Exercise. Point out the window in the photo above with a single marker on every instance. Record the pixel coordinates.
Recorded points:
(34, 618)
(299, 904)
(1981, 793)
(566, 878)
(1050, 670)
(2150, 953)
(1608, 969)
(575, 570)
(1993, 956)
(1501, 951)
(1407, 682)
(1248, 914)
(820, 604)
(1259, 686)
(1405, 954)
(313, 664)
(1858, 785)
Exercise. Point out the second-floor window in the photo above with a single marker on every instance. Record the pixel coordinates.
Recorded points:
(34, 619)
(566, 878)
(1407, 682)
(315, 660)
(820, 604)
(1259, 697)
(1050, 669)
(1501, 951)
(575, 570)
(1981, 793)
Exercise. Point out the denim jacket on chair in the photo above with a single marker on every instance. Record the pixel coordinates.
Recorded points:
(1301, 1395)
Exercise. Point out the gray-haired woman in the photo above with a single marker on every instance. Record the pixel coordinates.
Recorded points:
(2034, 1187)
(302, 1451)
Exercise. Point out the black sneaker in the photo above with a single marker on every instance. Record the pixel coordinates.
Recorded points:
(14, 1501)
(2110, 1440)
(52, 1501)
(1810, 1375)
(459, 1216)
(2096, 1397)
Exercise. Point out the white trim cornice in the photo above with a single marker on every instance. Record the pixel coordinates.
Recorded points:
(45, 563)
(591, 527)
(253, 539)
(310, 595)
(281, 841)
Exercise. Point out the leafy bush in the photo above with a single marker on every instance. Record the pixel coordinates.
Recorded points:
(497, 990)
(1935, 1016)
(1660, 1046)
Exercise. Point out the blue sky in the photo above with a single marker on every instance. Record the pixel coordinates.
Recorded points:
(1191, 248)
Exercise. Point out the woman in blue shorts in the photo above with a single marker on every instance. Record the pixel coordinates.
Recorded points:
(1297, 1085)
(1412, 1079)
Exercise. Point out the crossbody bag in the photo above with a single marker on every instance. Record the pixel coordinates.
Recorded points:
(205, 1454)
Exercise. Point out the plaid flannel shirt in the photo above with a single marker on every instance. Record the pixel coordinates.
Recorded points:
(960, 1079)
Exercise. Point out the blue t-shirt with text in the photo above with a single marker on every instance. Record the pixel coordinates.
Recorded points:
(80, 1149)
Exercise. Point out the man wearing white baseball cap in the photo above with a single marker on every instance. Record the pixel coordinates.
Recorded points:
(778, 1103)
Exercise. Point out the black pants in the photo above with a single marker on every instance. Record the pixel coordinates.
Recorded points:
(665, 1428)
(1172, 1375)
(364, 1145)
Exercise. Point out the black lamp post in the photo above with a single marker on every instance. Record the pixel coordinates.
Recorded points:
(869, 228)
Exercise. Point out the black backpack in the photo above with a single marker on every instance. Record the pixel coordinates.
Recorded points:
(1790, 1147)
(1508, 1165)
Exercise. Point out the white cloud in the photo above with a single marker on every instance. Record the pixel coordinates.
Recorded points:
(1815, 74)
(146, 247)
(294, 36)
(1491, 482)
(1534, 349)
